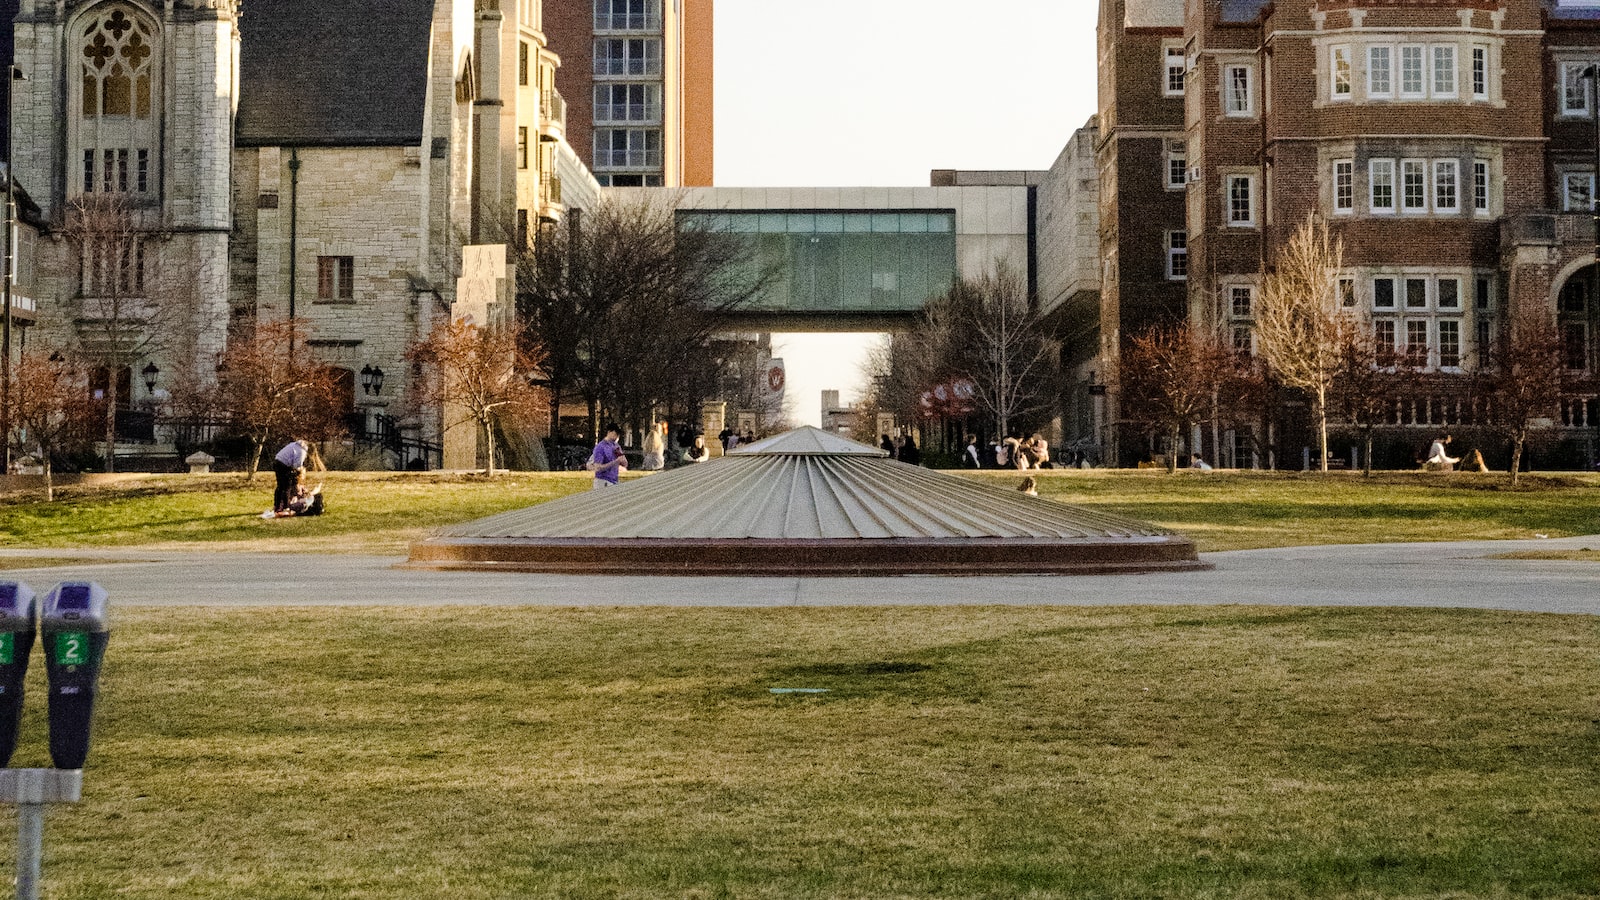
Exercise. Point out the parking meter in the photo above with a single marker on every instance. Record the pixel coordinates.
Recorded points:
(19, 610)
(75, 631)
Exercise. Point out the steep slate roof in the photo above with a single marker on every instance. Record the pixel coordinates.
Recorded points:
(333, 73)
(806, 503)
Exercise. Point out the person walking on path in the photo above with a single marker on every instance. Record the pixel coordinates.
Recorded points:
(286, 469)
(607, 461)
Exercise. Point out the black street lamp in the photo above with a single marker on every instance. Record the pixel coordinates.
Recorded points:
(366, 379)
(10, 270)
(377, 381)
(371, 380)
(150, 372)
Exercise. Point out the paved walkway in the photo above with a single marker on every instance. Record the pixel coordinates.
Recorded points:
(1444, 574)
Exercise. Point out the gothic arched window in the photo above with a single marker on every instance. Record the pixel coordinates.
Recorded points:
(118, 87)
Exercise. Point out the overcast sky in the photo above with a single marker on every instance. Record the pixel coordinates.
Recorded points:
(881, 92)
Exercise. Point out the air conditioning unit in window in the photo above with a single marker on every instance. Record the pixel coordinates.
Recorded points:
(1194, 174)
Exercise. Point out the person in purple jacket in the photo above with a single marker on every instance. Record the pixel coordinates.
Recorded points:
(607, 461)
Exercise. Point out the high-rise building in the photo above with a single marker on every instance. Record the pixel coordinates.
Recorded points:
(637, 78)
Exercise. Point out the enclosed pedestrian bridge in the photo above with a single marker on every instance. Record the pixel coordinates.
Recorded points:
(861, 259)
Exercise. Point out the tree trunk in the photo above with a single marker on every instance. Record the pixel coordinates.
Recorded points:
(1172, 449)
(1516, 459)
(111, 420)
(488, 442)
(1366, 459)
(255, 460)
(49, 477)
(1322, 427)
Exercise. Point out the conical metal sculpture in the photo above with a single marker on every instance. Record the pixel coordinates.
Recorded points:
(806, 503)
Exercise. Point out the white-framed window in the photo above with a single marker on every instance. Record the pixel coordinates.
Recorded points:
(1380, 72)
(1577, 191)
(1347, 291)
(1447, 293)
(1238, 90)
(1383, 335)
(1416, 293)
(1380, 186)
(1480, 187)
(1240, 198)
(1344, 186)
(1383, 292)
(1176, 67)
(1339, 58)
(1177, 165)
(1177, 255)
(1444, 70)
(1412, 81)
(1416, 348)
(1241, 301)
(1446, 186)
(1480, 72)
(1414, 185)
(1574, 89)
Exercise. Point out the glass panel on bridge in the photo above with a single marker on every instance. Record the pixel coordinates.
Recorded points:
(842, 260)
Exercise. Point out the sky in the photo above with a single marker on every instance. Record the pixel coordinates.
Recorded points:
(827, 93)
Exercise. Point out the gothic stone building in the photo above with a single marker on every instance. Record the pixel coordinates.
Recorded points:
(1450, 144)
(277, 163)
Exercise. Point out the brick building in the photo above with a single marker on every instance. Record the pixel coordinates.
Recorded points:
(637, 79)
(1450, 145)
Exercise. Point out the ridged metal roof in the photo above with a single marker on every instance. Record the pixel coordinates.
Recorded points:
(788, 490)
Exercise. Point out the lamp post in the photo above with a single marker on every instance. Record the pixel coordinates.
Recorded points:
(13, 76)
(150, 372)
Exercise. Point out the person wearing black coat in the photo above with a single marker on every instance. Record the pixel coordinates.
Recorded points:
(909, 454)
(972, 455)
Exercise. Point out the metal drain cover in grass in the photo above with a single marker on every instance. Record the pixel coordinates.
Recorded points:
(806, 503)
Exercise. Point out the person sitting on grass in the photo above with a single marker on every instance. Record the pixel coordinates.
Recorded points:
(1438, 460)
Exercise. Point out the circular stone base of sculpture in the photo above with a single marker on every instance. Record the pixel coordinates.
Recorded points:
(792, 558)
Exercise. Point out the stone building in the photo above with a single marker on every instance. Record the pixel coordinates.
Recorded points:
(1450, 145)
(327, 175)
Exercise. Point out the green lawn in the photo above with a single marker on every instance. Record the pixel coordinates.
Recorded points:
(384, 512)
(972, 752)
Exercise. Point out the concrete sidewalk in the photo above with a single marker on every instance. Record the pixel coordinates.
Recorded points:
(1438, 574)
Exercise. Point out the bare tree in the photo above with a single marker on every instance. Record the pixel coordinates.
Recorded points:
(1525, 377)
(264, 391)
(481, 372)
(127, 309)
(624, 299)
(1369, 380)
(1177, 376)
(1301, 329)
(52, 407)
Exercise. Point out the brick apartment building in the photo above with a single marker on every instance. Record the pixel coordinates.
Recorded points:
(637, 79)
(1450, 145)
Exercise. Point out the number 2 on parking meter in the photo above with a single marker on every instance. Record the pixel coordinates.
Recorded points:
(72, 648)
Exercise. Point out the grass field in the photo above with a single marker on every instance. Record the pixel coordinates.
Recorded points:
(384, 512)
(974, 752)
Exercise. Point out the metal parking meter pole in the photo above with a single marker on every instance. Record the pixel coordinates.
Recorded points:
(30, 790)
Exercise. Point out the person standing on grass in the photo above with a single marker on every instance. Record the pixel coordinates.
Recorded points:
(607, 461)
(972, 457)
(655, 447)
(286, 469)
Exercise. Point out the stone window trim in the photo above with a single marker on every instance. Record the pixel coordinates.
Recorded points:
(1344, 187)
(1239, 205)
(115, 90)
(1426, 314)
(1177, 244)
(1340, 73)
(1381, 195)
(1482, 188)
(336, 279)
(1176, 153)
(1238, 87)
(1420, 186)
(1175, 68)
(1577, 189)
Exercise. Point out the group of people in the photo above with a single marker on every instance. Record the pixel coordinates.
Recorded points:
(608, 460)
(1010, 453)
(1440, 460)
(902, 448)
(731, 438)
(290, 495)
